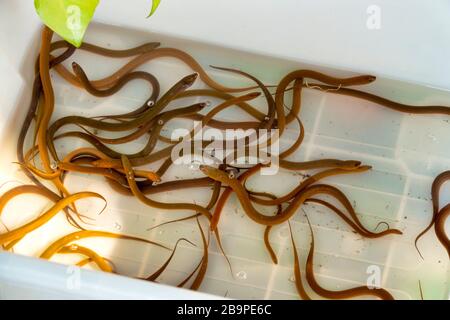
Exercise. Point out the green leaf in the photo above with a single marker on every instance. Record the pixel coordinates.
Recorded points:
(155, 4)
(68, 18)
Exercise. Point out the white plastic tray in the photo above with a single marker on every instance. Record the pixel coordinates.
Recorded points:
(406, 151)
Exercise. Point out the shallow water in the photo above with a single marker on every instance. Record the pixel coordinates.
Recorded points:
(406, 152)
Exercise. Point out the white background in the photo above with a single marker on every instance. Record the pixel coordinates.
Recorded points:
(412, 44)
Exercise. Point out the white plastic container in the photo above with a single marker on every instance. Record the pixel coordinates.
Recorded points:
(406, 152)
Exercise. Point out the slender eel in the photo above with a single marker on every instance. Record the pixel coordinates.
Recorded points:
(86, 261)
(309, 181)
(226, 194)
(421, 291)
(439, 228)
(146, 117)
(356, 226)
(189, 277)
(119, 85)
(214, 197)
(75, 155)
(303, 74)
(204, 264)
(156, 127)
(271, 112)
(28, 189)
(112, 53)
(47, 107)
(342, 165)
(400, 107)
(47, 216)
(166, 152)
(107, 173)
(317, 164)
(156, 204)
(180, 86)
(297, 201)
(342, 294)
(143, 58)
(160, 270)
(267, 230)
(173, 185)
(64, 241)
(258, 115)
(197, 93)
(435, 191)
(97, 259)
(49, 98)
(297, 142)
(297, 274)
(36, 93)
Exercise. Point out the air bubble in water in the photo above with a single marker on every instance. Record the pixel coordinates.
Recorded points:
(432, 137)
(292, 278)
(117, 226)
(194, 166)
(73, 247)
(242, 275)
